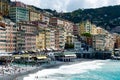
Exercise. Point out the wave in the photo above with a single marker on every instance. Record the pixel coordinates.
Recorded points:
(78, 68)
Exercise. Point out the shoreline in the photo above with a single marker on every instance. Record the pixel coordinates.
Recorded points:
(21, 75)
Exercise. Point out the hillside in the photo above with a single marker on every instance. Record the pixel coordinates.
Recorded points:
(106, 17)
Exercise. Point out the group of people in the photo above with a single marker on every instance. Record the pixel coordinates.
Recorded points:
(8, 70)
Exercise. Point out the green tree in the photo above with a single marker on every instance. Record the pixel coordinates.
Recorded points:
(69, 46)
(86, 34)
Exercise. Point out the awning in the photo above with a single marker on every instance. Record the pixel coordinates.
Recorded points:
(24, 55)
(72, 55)
(17, 57)
(5, 55)
(28, 56)
(42, 57)
(48, 49)
(26, 51)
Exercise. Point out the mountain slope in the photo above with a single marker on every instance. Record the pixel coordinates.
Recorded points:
(106, 17)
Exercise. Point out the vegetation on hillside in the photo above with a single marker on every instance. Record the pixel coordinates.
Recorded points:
(106, 17)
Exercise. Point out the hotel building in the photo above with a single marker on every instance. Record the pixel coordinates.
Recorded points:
(34, 15)
(26, 36)
(18, 12)
(7, 36)
(99, 42)
(2, 37)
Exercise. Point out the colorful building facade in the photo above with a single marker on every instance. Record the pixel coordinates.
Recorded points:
(45, 18)
(27, 36)
(2, 37)
(75, 30)
(34, 15)
(4, 7)
(117, 40)
(85, 27)
(7, 36)
(18, 12)
(52, 39)
(40, 41)
(99, 42)
(10, 36)
(70, 38)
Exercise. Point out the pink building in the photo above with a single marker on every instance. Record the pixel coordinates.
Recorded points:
(2, 37)
(56, 21)
(10, 37)
(75, 30)
(7, 36)
(30, 35)
(57, 38)
(67, 25)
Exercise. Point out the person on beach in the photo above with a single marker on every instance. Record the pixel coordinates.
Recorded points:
(36, 77)
(46, 77)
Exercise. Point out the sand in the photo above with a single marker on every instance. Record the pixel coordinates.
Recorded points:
(24, 71)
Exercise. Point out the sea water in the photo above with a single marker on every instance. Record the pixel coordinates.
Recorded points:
(88, 70)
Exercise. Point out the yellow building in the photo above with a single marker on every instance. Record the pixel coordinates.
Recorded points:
(81, 28)
(4, 7)
(43, 39)
(94, 30)
(87, 27)
(34, 15)
(47, 35)
(40, 41)
(70, 38)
